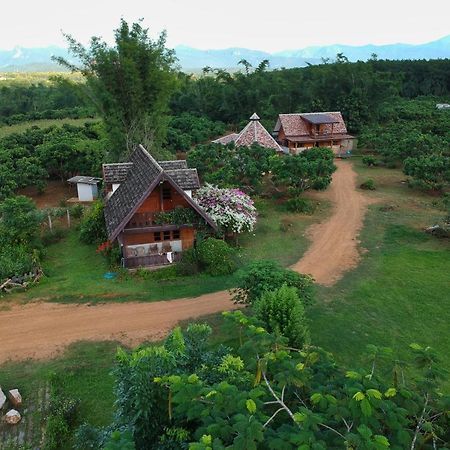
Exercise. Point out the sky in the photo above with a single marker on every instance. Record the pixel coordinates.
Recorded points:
(271, 26)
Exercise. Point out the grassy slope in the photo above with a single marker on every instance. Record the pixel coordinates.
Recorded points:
(75, 272)
(43, 123)
(399, 293)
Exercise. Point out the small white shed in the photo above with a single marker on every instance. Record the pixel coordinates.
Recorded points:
(86, 187)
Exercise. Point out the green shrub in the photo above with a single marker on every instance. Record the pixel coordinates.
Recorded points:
(283, 312)
(93, 227)
(62, 415)
(189, 263)
(369, 160)
(16, 260)
(265, 276)
(369, 185)
(216, 257)
(177, 216)
(77, 211)
(300, 205)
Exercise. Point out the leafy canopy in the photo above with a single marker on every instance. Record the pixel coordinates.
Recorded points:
(130, 85)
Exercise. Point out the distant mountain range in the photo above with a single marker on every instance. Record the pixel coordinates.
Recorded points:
(191, 59)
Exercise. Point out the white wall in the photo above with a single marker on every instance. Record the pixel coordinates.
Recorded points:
(86, 192)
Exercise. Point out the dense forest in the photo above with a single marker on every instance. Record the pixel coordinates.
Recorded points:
(389, 105)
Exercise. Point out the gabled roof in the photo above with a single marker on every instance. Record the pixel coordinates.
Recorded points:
(117, 173)
(173, 165)
(297, 124)
(142, 178)
(187, 179)
(253, 133)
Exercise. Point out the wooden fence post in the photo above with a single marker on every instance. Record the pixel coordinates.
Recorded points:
(50, 225)
(68, 218)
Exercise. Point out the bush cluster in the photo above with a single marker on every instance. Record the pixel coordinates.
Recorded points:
(369, 185)
(92, 226)
(268, 276)
(283, 313)
(300, 205)
(212, 256)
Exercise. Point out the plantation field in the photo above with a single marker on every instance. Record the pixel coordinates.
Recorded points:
(75, 271)
(5, 130)
(7, 78)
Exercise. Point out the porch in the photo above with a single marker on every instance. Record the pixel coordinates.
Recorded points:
(133, 262)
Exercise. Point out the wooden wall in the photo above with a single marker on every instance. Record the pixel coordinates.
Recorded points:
(187, 235)
(154, 202)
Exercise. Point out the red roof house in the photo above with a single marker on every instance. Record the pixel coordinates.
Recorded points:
(301, 131)
(253, 133)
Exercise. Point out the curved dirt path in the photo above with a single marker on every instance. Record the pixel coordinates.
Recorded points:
(40, 330)
(334, 244)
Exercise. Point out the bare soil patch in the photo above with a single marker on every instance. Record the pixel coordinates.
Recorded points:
(39, 330)
(334, 243)
(55, 192)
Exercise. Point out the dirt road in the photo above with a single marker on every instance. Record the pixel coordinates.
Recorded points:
(334, 242)
(39, 330)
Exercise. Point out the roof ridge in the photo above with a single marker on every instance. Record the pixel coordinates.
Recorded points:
(150, 157)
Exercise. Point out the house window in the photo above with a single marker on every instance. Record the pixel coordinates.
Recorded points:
(166, 193)
(176, 234)
(166, 235)
(157, 236)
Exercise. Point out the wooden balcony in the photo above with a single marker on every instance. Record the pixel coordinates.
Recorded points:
(141, 220)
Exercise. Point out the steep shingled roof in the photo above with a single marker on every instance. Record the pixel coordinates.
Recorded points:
(296, 124)
(224, 140)
(187, 179)
(117, 173)
(173, 165)
(252, 133)
(143, 176)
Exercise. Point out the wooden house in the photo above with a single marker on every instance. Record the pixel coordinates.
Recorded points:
(253, 133)
(145, 202)
(300, 131)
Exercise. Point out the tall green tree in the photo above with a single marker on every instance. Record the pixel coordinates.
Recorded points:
(130, 84)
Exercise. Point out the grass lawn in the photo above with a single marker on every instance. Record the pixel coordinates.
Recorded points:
(74, 272)
(86, 368)
(5, 130)
(400, 292)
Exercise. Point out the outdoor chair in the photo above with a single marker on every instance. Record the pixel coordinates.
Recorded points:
(131, 252)
(166, 247)
(153, 249)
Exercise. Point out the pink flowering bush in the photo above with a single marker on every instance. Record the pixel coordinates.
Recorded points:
(232, 209)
